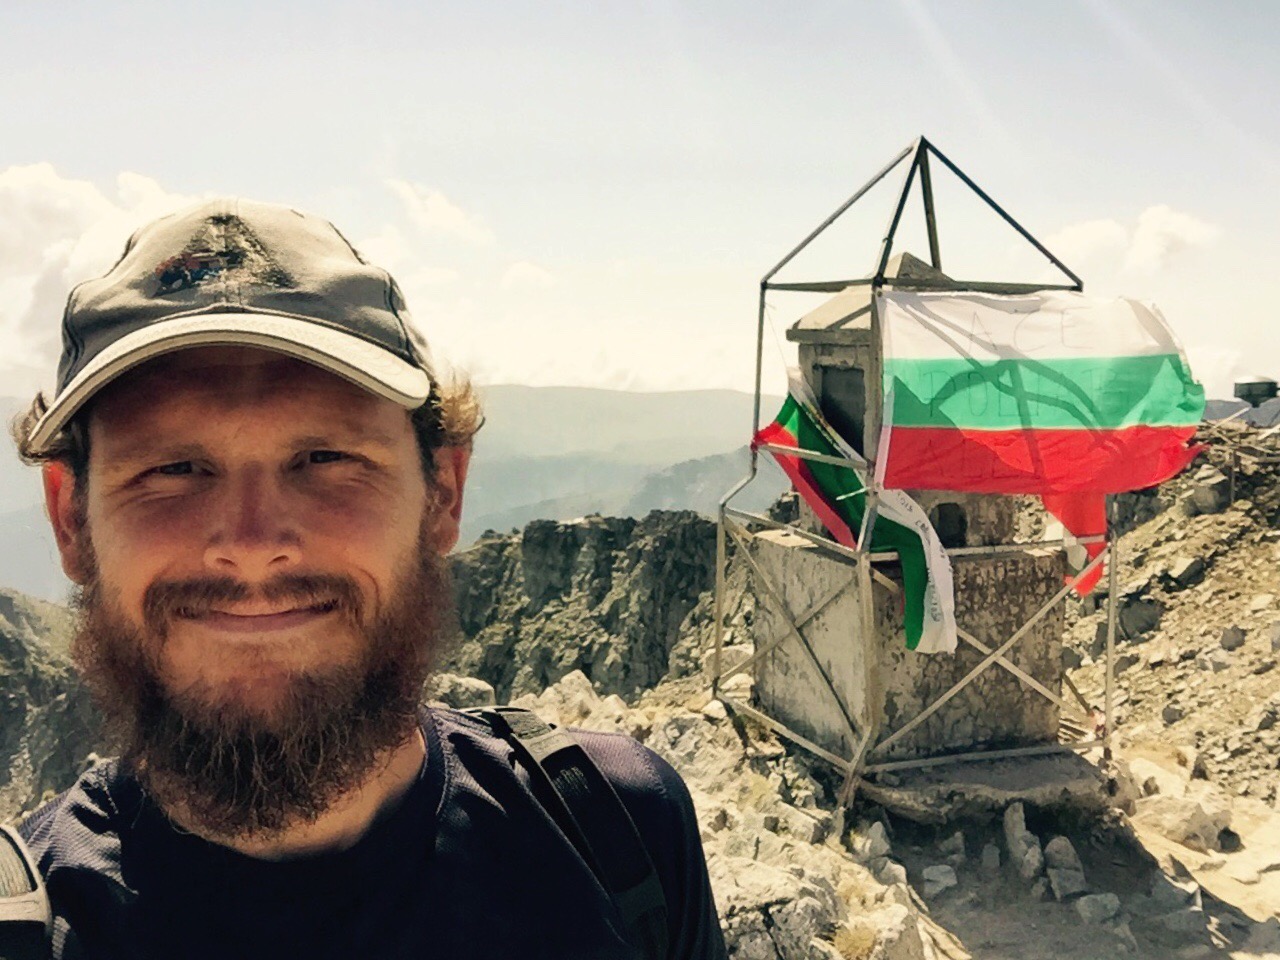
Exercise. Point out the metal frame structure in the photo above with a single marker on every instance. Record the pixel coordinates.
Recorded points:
(736, 525)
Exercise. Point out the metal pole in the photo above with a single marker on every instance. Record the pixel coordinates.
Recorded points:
(1112, 612)
(920, 283)
(1005, 216)
(1049, 749)
(719, 605)
(755, 406)
(739, 706)
(886, 245)
(839, 210)
(930, 216)
(875, 416)
(873, 686)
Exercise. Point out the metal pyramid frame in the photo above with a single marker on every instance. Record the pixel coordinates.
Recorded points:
(739, 526)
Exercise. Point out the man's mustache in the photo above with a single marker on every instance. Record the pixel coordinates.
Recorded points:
(167, 600)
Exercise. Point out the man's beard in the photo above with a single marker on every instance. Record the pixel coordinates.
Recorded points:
(234, 772)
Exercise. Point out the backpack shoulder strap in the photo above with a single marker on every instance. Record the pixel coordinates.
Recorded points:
(26, 917)
(593, 817)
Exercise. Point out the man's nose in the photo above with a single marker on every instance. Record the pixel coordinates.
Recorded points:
(253, 533)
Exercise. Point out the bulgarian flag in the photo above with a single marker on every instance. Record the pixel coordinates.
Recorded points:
(1054, 393)
(838, 495)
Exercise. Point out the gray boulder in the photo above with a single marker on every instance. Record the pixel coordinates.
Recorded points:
(460, 692)
(1186, 571)
(1232, 638)
(1063, 868)
(1098, 907)
(937, 878)
(1211, 490)
(1023, 846)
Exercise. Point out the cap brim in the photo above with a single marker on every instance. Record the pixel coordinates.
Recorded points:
(363, 363)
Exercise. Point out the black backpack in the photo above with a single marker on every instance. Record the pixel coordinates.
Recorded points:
(26, 919)
(586, 807)
(565, 780)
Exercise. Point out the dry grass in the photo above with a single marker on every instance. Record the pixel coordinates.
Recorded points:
(855, 943)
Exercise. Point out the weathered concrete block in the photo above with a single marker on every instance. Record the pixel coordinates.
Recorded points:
(879, 677)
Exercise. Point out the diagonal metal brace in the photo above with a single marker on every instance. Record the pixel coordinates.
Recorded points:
(785, 613)
(1009, 665)
(990, 658)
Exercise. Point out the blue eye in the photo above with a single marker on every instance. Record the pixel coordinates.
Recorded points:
(180, 469)
(325, 456)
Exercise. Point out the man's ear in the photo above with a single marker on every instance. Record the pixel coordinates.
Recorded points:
(67, 517)
(451, 477)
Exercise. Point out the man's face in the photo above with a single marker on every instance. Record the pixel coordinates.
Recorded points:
(260, 553)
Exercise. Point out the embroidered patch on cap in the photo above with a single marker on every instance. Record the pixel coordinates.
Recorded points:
(225, 246)
(187, 270)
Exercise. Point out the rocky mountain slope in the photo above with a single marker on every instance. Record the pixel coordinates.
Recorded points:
(48, 727)
(1199, 617)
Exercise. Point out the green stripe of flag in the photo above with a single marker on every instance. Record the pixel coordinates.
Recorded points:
(1101, 393)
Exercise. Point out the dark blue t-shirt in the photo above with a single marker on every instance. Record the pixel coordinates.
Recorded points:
(468, 866)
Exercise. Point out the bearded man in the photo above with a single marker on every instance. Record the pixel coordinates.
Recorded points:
(253, 476)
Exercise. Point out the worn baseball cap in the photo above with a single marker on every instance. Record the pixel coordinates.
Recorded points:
(236, 272)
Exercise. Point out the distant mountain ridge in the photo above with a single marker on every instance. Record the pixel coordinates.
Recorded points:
(624, 426)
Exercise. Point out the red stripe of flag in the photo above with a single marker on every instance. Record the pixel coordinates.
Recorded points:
(798, 472)
(1036, 461)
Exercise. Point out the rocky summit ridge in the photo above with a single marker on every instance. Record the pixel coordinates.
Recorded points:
(625, 601)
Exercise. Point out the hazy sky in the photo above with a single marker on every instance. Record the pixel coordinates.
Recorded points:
(589, 193)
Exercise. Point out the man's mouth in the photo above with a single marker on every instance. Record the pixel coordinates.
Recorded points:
(259, 618)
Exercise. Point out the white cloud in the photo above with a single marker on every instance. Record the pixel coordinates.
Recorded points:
(1161, 234)
(1148, 247)
(602, 323)
(1090, 238)
(522, 273)
(434, 213)
(387, 249)
(391, 250)
(55, 232)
